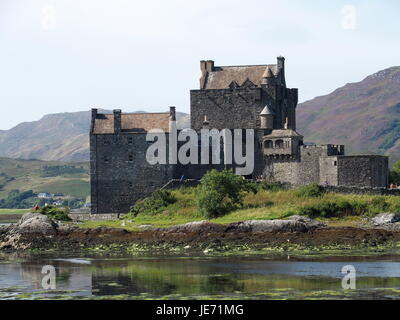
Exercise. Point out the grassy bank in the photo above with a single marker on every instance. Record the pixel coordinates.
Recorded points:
(13, 211)
(339, 209)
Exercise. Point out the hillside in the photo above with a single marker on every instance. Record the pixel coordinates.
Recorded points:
(70, 179)
(365, 116)
(55, 137)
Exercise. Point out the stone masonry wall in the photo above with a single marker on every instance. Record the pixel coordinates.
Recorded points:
(363, 171)
(121, 174)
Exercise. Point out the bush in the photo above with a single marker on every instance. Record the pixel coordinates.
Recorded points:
(272, 186)
(158, 201)
(221, 192)
(60, 214)
(327, 209)
(394, 174)
(310, 191)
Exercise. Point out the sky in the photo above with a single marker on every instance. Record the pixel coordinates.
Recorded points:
(72, 55)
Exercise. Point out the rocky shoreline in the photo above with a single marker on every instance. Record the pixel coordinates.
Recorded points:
(38, 232)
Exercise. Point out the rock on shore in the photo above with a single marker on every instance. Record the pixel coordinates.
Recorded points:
(35, 231)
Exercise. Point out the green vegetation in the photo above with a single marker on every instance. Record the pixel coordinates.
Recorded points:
(154, 204)
(394, 175)
(336, 209)
(309, 191)
(221, 192)
(12, 211)
(70, 179)
(60, 214)
(19, 200)
(54, 171)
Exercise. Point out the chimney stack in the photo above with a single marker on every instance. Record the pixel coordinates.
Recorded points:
(117, 121)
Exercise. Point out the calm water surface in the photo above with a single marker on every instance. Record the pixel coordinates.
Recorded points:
(104, 277)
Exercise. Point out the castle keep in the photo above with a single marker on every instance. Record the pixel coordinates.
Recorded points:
(230, 97)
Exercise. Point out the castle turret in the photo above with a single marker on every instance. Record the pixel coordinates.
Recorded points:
(268, 78)
(267, 118)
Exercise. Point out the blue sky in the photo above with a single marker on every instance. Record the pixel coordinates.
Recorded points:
(71, 55)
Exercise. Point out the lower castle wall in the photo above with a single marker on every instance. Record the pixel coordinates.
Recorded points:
(121, 174)
(363, 171)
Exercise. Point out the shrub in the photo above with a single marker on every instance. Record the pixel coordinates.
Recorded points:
(327, 209)
(221, 192)
(310, 191)
(158, 201)
(272, 186)
(60, 214)
(394, 174)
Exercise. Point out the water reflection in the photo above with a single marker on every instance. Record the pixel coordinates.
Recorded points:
(188, 277)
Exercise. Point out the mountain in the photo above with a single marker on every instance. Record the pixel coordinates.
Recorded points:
(55, 137)
(365, 116)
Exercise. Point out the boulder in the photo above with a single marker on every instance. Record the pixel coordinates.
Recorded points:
(26, 217)
(197, 226)
(294, 224)
(386, 218)
(36, 223)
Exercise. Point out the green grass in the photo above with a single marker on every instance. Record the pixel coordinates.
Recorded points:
(13, 211)
(264, 205)
(28, 175)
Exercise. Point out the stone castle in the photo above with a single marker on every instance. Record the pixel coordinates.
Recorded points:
(230, 97)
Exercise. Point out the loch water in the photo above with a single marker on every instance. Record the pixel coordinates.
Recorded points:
(104, 276)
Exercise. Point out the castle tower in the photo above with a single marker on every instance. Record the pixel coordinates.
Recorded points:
(267, 118)
(268, 78)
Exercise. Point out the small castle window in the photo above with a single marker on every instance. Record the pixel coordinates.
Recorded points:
(268, 144)
(130, 140)
(130, 158)
(130, 184)
(279, 144)
(106, 158)
(335, 163)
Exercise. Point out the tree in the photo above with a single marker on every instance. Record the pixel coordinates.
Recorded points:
(394, 174)
(221, 192)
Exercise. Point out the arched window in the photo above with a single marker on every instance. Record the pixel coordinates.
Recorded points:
(279, 144)
(268, 144)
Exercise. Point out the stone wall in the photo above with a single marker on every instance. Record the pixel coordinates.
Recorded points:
(363, 171)
(232, 109)
(120, 173)
(93, 217)
(358, 190)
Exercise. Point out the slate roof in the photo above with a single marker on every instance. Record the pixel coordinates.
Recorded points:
(132, 122)
(222, 77)
(283, 133)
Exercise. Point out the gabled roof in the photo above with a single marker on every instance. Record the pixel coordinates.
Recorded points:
(132, 122)
(222, 77)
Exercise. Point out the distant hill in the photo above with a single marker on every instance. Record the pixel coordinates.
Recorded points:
(58, 137)
(365, 116)
(70, 179)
